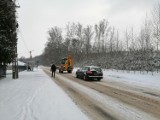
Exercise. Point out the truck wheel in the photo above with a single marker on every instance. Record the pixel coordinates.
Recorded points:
(60, 71)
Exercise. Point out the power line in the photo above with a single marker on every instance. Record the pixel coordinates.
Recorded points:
(22, 38)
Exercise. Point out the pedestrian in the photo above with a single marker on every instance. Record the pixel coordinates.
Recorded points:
(53, 69)
(29, 68)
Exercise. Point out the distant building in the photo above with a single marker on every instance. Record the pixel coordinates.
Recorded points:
(21, 66)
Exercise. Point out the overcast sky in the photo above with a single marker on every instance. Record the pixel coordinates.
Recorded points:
(36, 17)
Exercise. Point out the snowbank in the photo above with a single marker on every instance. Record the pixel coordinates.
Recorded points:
(135, 79)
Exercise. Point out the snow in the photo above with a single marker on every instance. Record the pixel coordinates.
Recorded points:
(34, 96)
(144, 80)
(147, 81)
(19, 64)
(113, 106)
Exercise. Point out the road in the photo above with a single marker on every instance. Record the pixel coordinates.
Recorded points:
(109, 101)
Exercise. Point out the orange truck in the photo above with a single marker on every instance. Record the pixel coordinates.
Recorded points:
(66, 65)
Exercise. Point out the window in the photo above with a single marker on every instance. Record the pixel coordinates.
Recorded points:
(96, 69)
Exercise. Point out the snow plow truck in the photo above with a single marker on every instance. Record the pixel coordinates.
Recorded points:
(66, 65)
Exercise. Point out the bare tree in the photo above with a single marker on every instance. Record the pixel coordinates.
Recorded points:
(132, 47)
(145, 45)
(147, 34)
(156, 24)
(79, 33)
(53, 50)
(141, 40)
(97, 38)
(127, 38)
(111, 40)
(102, 29)
(117, 40)
(88, 34)
(71, 36)
(70, 30)
(55, 36)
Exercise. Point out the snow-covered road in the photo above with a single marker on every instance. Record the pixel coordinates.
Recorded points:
(110, 102)
(118, 110)
(34, 96)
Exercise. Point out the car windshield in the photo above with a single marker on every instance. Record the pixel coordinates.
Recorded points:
(96, 69)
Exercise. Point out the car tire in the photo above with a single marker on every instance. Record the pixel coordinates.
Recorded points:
(76, 76)
(84, 77)
(98, 79)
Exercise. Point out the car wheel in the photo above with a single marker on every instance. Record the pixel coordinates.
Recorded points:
(84, 77)
(98, 79)
(76, 76)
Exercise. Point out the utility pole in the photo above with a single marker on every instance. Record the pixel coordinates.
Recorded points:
(30, 52)
(15, 61)
(30, 63)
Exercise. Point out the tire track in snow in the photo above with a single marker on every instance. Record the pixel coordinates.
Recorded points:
(27, 110)
(89, 107)
(112, 106)
(142, 101)
(122, 110)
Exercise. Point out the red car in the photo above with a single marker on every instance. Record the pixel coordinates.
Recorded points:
(90, 72)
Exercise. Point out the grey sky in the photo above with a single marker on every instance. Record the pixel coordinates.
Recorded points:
(37, 16)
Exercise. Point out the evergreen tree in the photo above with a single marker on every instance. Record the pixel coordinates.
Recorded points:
(8, 35)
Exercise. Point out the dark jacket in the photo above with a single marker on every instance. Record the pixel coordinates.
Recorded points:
(53, 67)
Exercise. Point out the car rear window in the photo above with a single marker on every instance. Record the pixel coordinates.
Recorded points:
(85, 68)
(96, 69)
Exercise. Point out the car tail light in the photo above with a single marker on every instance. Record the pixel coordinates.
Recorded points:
(89, 72)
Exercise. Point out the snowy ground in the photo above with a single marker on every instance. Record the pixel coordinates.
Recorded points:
(146, 80)
(118, 109)
(34, 96)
